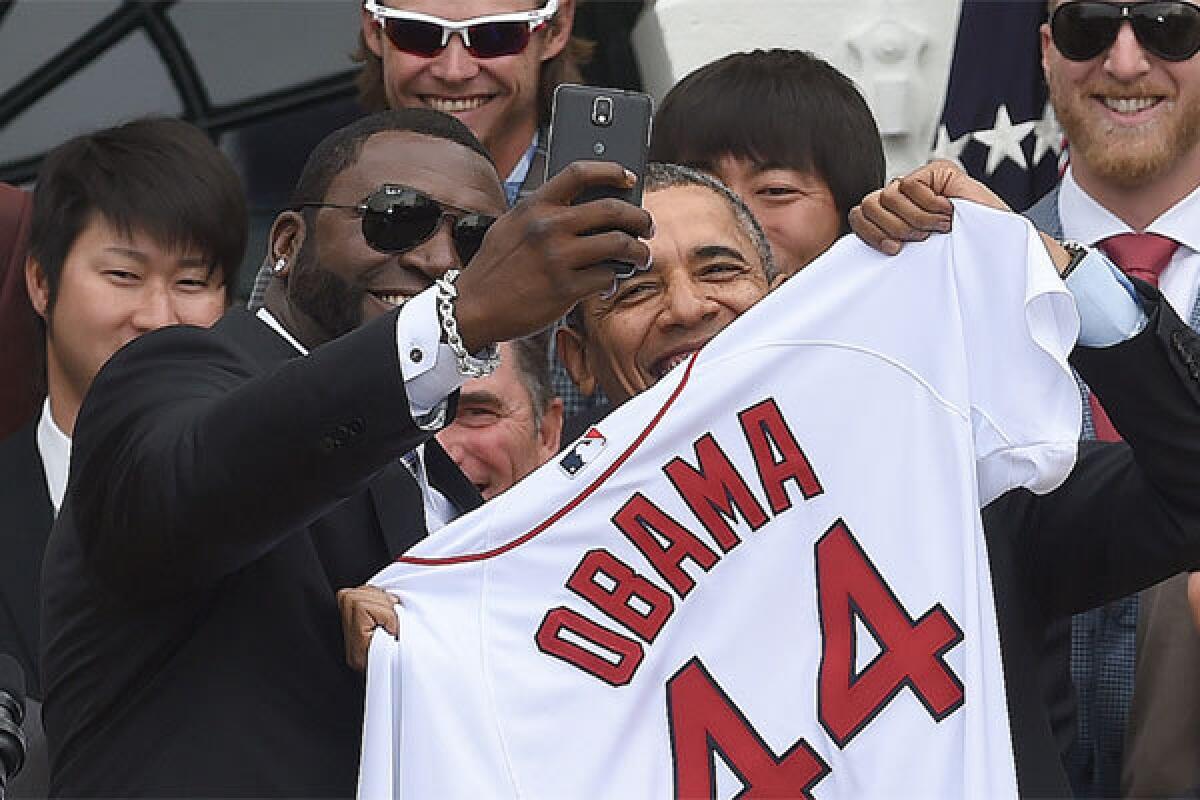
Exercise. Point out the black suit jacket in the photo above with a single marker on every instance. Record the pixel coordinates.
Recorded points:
(1127, 517)
(222, 490)
(26, 515)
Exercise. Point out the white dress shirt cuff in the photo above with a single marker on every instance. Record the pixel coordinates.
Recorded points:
(429, 368)
(1110, 311)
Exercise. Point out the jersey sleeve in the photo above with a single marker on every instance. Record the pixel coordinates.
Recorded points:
(1019, 325)
(377, 766)
(411, 717)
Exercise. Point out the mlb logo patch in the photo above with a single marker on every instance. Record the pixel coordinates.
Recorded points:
(583, 452)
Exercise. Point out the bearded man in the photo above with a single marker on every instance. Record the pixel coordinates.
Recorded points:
(1125, 84)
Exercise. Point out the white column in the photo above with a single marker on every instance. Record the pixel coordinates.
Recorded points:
(897, 52)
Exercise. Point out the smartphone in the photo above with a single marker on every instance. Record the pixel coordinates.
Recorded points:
(590, 123)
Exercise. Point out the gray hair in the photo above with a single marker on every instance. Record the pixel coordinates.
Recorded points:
(532, 362)
(659, 176)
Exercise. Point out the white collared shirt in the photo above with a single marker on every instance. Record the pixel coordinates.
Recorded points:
(1085, 220)
(55, 449)
(427, 382)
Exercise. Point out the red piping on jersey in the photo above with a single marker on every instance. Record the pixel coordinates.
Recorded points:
(569, 507)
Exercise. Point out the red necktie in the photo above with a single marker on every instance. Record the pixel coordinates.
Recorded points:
(1139, 255)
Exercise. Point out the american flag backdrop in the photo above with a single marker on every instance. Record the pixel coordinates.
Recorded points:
(997, 121)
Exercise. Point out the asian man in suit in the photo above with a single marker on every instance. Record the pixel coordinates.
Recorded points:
(132, 228)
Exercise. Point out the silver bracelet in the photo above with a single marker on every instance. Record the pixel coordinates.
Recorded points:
(469, 366)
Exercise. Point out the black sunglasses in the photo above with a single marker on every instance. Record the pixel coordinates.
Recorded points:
(398, 218)
(1169, 29)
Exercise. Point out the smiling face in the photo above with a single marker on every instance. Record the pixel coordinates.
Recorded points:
(497, 98)
(706, 272)
(796, 209)
(337, 281)
(112, 289)
(1129, 116)
(496, 438)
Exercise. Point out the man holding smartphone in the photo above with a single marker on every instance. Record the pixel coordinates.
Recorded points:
(226, 483)
(493, 65)
(1048, 554)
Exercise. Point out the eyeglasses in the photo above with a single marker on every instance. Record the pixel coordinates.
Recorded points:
(1169, 29)
(398, 218)
(484, 37)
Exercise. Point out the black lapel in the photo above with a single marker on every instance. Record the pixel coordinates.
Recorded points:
(264, 345)
(26, 516)
(394, 491)
(400, 507)
(398, 500)
(448, 479)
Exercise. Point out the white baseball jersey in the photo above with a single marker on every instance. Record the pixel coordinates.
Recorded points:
(768, 573)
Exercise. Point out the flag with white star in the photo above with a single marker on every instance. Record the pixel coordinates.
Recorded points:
(997, 121)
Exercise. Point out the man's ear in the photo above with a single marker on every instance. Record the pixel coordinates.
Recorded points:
(572, 354)
(37, 283)
(558, 32)
(550, 436)
(372, 32)
(286, 239)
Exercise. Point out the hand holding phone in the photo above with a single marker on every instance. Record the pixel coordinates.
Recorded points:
(590, 123)
(542, 254)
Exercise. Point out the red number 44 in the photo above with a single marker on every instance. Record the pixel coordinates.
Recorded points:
(704, 721)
